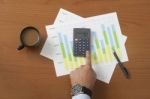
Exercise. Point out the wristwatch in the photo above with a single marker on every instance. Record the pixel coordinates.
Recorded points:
(78, 89)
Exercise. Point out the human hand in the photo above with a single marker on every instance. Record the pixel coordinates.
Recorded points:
(85, 75)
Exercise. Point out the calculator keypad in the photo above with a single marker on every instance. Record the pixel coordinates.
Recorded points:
(81, 46)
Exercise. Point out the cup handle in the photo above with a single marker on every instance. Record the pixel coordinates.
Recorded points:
(20, 47)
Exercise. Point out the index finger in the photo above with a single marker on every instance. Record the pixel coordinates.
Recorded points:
(88, 58)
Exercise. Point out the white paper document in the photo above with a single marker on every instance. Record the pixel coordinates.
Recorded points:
(105, 36)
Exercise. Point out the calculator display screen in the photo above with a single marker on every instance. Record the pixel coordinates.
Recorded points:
(82, 35)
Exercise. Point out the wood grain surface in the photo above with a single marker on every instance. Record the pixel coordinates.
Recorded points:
(27, 75)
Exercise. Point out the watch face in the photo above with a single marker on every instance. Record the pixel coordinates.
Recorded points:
(76, 89)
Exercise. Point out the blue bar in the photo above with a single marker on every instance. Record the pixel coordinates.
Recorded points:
(103, 46)
(60, 38)
(71, 43)
(116, 39)
(113, 27)
(94, 52)
(93, 34)
(66, 44)
(92, 48)
(110, 36)
(105, 34)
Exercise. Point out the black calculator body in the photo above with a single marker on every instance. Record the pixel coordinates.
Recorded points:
(81, 41)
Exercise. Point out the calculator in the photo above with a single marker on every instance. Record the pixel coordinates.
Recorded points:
(81, 41)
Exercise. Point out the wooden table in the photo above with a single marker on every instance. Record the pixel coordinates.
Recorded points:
(27, 75)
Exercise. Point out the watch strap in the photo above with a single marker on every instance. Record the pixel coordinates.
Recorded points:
(78, 89)
(87, 91)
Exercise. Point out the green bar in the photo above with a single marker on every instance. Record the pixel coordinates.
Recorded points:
(109, 52)
(76, 62)
(100, 54)
(119, 53)
(97, 43)
(116, 38)
(105, 36)
(66, 64)
(103, 49)
(70, 57)
(105, 57)
(113, 47)
(63, 50)
(94, 54)
(75, 59)
(98, 48)
(95, 57)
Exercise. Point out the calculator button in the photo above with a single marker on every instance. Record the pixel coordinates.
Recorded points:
(80, 39)
(76, 39)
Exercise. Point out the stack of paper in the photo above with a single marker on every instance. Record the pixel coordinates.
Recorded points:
(106, 36)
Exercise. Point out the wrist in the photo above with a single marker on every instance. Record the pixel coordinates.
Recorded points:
(79, 89)
(90, 87)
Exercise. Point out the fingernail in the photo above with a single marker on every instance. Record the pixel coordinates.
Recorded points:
(87, 52)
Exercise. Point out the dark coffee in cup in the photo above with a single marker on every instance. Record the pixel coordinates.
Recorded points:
(29, 37)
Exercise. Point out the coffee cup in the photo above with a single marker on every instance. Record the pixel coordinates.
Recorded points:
(29, 37)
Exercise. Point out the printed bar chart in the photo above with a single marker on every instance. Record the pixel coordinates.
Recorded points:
(101, 47)
(66, 46)
(105, 46)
